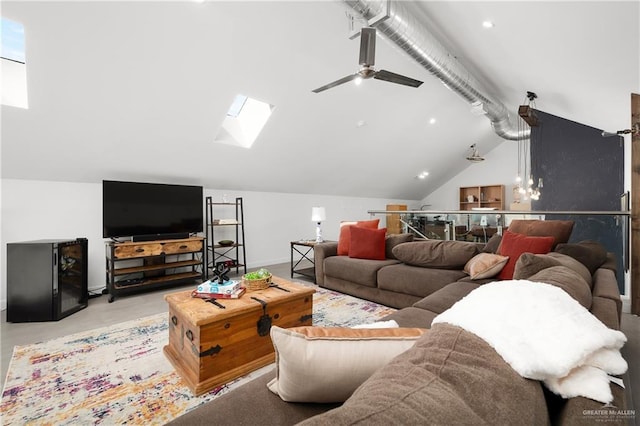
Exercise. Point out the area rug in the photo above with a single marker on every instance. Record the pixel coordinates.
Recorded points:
(119, 374)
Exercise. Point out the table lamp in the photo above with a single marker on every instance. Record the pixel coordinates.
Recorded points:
(318, 214)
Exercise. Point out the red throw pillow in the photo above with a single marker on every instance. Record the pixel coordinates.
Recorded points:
(560, 230)
(367, 243)
(344, 241)
(513, 245)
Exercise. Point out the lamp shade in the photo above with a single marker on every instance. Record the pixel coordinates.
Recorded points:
(318, 214)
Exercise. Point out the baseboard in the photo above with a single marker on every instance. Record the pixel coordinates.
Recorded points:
(3, 304)
(626, 304)
(263, 263)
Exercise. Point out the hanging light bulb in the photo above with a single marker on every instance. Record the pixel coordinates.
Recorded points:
(527, 120)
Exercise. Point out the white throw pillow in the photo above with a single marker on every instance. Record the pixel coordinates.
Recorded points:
(318, 364)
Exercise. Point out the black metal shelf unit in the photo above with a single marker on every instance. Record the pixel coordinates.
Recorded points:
(224, 219)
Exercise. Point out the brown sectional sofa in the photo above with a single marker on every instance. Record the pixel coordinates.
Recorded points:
(390, 282)
(450, 376)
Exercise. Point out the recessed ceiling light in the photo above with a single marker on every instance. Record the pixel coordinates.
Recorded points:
(487, 24)
(432, 120)
(361, 123)
(422, 175)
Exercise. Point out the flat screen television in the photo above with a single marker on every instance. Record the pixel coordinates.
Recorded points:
(148, 211)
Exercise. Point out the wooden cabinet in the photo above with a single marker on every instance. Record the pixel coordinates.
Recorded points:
(394, 225)
(144, 265)
(487, 197)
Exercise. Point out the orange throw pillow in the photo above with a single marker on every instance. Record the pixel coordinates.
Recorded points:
(344, 241)
(513, 245)
(367, 243)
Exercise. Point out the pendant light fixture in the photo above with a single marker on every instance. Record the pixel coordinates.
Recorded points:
(525, 180)
(474, 155)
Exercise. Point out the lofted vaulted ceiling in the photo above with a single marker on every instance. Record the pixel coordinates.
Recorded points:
(139, 90)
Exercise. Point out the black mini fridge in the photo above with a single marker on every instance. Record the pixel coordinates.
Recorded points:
(46, 279)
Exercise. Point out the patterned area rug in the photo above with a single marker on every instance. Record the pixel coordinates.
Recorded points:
(119, 374)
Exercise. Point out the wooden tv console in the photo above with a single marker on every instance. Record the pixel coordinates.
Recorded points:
(137, 266)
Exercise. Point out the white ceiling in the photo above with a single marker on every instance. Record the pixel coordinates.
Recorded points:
(139, 90)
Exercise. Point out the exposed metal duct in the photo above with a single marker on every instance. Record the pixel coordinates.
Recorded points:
(400, 22)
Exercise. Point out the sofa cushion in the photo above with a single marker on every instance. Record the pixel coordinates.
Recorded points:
(568, 280)
(344, 240)
(605, 285)
(367, 243)
(412, 317)
(436, 253)
(244, 405)
(468, 279)
(581, 411)
(444, 298)
(359, 271)
(317, 364)
(493, 244)
(574, 265)
(393, 240)
(450, 377)
(513, 245)
(590, 253)
(415, 280)
(485, 265)
(610, 263)
(605, 310)
(560, 230)
(530, 264)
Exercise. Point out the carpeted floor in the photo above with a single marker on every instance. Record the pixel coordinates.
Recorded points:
(118, 374)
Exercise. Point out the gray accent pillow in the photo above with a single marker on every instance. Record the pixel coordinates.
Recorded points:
(590, 253)
(393, 240)
(493, 244)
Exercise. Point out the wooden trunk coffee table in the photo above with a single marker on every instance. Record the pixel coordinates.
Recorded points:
(210, 345)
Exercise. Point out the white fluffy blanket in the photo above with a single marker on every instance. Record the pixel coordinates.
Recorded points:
(543, 334)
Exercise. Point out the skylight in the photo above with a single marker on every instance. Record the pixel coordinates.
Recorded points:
(14, 70)
(236, 106)
(12, 41)
(245, 120)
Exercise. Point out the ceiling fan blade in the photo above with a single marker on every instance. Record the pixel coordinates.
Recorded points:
(367, 46)
(336, 83)
(396, 78)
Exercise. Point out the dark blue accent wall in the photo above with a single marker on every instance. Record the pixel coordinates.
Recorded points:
(581, 170)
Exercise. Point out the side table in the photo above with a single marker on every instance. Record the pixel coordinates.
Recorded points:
(300, 265)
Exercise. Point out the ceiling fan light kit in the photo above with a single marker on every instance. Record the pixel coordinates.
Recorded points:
(367, 61)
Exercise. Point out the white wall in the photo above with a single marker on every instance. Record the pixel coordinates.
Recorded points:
(500, 167)
(33, 210)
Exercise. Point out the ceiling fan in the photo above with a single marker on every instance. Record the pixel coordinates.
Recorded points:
(367, 60)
